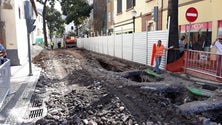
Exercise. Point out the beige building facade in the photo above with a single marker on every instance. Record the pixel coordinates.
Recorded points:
(13, 31)
(123, 20)
(207, 25)
(205, 29)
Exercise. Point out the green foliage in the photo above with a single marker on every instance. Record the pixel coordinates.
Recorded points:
(54, 21)
(75, 10)
(44, 3)
(71, 33)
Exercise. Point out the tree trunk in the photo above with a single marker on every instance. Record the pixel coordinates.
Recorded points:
(173, 55)
(50, 31)
(44, 24)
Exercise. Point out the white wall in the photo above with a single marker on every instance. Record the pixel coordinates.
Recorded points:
(21, 29)
(133, 47)
(16, 31)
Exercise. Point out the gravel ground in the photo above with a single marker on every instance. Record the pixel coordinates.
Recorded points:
(85, 88)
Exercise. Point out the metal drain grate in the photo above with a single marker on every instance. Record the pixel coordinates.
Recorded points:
(37, 103)
(36, 113)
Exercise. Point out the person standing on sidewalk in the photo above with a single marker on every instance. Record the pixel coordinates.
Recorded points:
(218, 45)
(3, 53)
(182, 45)
(158, 55)
(52, 44)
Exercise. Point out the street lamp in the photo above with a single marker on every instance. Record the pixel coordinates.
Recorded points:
(134, 17)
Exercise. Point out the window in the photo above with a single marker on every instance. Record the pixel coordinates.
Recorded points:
(148, 1)
(130, 4)
(19, 13)
(119, 6)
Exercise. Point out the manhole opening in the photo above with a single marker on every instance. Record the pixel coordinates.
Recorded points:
(109, 67)
(214, 115)
(209, 87)
(36, 113)
(183, 96)
(141, 77)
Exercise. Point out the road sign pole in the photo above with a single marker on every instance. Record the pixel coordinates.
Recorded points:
(191, 15)
(188, 42)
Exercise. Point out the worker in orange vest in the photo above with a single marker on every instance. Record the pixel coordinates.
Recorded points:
(158, 55)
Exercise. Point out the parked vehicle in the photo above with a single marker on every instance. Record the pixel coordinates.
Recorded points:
(70, 41)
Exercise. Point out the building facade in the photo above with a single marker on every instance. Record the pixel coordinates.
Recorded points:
(14, 31)
(144, 20)
(99, 17)
(207, 26)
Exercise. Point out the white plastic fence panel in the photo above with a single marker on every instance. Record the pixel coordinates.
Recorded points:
(140, 48)
(86, 43)
(92, 44)
(110, 40)
(104, 46)
(118, 46)
(79, 43)
(153, 37)
(56, 41)
(127, 46)
(97, 44)
(121, 45)
(5, 73)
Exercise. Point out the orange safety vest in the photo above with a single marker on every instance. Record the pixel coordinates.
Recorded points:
(159, 51)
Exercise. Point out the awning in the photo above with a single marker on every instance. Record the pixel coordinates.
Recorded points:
(196, 27)
(220, 24)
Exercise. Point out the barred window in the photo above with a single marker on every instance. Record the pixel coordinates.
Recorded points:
(119, 6)
(130, 4)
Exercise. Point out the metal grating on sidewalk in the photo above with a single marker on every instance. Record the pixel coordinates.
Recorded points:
(36, 113)
(37, 103)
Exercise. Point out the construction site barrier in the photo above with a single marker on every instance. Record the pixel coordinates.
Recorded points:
(135, 47)
(204, 62)
(5, 73)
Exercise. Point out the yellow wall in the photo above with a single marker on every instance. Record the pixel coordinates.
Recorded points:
(142, 7)
(208, 10)
(7, 16)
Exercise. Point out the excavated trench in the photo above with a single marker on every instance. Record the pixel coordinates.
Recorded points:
(122, 93)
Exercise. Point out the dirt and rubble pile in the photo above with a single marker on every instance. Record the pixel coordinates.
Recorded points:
(80, 87)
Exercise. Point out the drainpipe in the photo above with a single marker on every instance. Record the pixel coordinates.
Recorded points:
(161, 15)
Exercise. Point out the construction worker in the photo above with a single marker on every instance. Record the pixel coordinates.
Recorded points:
(158, 55)
(52, 44)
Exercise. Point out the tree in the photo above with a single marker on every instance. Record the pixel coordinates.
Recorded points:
(54, 21)
(75, 11)
(44, 3)
(173, 30)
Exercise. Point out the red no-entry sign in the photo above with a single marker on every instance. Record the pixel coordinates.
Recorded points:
(191, 14)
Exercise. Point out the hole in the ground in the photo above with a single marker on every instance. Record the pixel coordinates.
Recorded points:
(140, 76)
(176, 94)
(209, 87)
(182, 97)
(110, 67)
(214, 115)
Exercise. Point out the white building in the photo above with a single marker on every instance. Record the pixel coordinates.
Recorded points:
(14, 30)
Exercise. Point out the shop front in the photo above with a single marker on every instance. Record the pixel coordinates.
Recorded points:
(200, 35)
(219, 27)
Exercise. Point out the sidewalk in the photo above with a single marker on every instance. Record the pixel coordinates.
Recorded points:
(22, 87)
